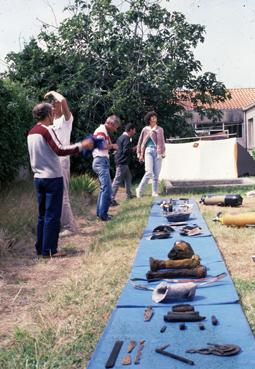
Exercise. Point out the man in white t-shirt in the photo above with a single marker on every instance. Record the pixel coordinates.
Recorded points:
(62, 125)
(101, 165)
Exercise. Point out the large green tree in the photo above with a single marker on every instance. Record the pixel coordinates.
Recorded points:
(15, 120)
(107, 60)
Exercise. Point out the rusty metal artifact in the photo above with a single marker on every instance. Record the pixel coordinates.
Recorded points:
(126, 360)
(148, 312)
(197, 272)
(131, 346)
(216, 349)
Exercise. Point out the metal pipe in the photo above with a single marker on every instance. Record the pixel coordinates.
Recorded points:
(176, 357)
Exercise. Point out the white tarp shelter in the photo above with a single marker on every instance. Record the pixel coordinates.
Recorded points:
(201, 160)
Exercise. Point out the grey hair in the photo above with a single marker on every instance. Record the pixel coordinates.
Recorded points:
(114, 119)
(41, 111)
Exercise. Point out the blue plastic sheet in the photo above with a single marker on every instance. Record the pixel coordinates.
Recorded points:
(219, 299)
(128, 324)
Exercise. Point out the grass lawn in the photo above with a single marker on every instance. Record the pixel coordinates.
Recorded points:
(53, 312)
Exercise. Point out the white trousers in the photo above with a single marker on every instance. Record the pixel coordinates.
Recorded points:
(67, 219)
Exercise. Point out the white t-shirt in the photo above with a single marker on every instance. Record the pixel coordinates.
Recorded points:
(101, 132)
(63, 129)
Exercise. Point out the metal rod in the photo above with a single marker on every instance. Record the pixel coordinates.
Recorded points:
(176, 357)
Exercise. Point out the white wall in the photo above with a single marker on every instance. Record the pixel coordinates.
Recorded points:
(210, 160)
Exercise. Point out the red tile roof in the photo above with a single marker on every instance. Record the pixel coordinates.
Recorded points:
(240, 98)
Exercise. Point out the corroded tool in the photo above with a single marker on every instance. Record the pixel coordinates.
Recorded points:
(126, 360)
(174, 356)
(216, 349)
(139, 352)
(214, 320)
(114, 354)
(131, 346)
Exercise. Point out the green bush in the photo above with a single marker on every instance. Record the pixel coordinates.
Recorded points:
(84, 183)
(16, 119)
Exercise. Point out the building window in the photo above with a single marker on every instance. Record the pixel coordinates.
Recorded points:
(235, 129)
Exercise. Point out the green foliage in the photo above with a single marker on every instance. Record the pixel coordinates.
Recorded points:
(16, 119)
(83, 183)
(253, 154)
(105, 60)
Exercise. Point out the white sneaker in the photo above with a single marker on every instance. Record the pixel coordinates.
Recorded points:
(138, 193)
(154, 194)
(66, 233)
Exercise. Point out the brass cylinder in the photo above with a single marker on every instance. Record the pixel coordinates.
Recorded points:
(238, 219)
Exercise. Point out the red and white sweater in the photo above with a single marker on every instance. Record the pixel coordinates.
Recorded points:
(44, 150)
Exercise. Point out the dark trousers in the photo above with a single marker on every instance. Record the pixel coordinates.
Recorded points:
(49, 197)
(122, 174)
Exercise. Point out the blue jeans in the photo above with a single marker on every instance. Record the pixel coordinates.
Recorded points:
(49, 197)
(101, 166)
(152, 169)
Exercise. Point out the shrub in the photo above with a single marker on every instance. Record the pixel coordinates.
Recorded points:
(16, 119)
(83, 183)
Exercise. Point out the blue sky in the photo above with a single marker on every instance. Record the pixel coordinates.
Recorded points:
(228, 51)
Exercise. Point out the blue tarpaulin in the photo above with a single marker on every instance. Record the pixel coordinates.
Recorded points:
(219, 299)
(128, 324)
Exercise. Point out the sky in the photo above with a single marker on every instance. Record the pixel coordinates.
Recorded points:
(228, 50)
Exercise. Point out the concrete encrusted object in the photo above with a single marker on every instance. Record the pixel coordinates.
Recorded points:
(148, 313)
(197, 272)
(183, 313)
(181, 250)
(174, 292)
(191, 230)
(182, 308)
(173, 317)
(190, 263)
(161, 232)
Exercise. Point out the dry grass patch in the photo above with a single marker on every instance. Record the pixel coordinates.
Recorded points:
(67, 302)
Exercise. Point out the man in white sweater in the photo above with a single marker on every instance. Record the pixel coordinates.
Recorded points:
(44, 150)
